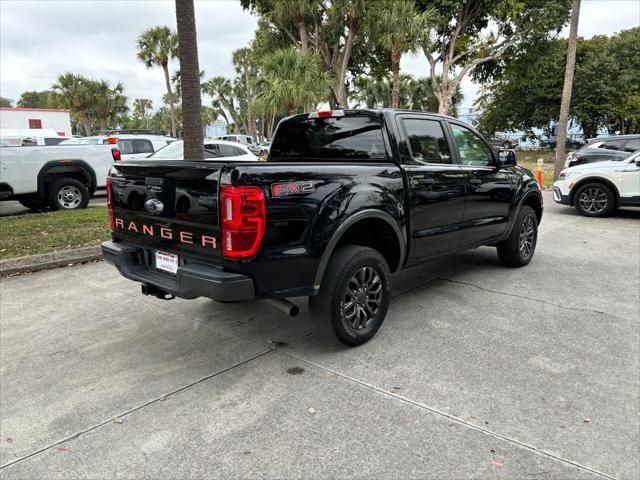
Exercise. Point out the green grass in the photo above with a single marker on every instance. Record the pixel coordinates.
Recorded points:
(36, 233)
(529, 160)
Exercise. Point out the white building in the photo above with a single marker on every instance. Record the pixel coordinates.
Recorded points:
(31, 118)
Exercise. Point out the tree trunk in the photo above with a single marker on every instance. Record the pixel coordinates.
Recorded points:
(104, 122)
(190, 75)
(86, 123)
(395, 81)
(341, 87)
(167, 81)
(566, 89)
(444, 102)
(251, 121)
(302, 30)
(271, 125)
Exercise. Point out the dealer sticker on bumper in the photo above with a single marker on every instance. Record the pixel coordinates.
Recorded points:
(167, 262)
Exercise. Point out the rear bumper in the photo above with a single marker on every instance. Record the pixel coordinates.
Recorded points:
(191, 281)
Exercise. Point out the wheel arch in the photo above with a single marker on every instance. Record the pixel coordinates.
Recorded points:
(391, 244)
(72, 167)
(584, 181)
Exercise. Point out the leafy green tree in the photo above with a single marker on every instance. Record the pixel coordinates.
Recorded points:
(141, 106)
(398, 27)
(414, 93)
(156, 46)
(246, 69)
(525, 93)
(330, 28)
(291, 80)
(222, 91)
(464, 34)
(36, 99)
(6, 102)
(108, 101)
(74, 93)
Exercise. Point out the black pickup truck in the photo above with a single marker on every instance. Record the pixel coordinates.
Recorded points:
(345, 198)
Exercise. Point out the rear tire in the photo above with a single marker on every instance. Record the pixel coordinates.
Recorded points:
(518, 249)
(354, 296)
(595, 200)
(68, 194)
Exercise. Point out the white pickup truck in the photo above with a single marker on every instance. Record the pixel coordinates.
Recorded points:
(60, 177)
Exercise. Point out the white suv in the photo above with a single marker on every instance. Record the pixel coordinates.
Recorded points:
(597, 189)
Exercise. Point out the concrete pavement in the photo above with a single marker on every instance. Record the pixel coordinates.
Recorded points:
(478, 372)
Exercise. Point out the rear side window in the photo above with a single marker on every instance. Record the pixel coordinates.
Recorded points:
(337, 138)
(426, 141)
(613, 144)
(52, 141)
(142, 146)
(632, 145)
(231, 151)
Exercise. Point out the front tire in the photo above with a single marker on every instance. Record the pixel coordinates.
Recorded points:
(595, 200)
(68, 194)
(518, 249)
(354, 296)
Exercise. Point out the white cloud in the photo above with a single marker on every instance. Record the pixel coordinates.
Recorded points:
(40, 40)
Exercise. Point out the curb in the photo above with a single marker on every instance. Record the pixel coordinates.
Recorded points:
(34, 263)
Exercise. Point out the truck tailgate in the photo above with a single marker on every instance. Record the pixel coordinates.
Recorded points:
(168, 207)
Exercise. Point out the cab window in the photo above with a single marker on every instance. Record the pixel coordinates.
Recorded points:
(471, 148)
(427, 143)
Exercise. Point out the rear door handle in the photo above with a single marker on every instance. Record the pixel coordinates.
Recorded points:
(475, 181)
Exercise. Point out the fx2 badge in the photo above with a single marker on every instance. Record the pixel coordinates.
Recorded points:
(291, 188)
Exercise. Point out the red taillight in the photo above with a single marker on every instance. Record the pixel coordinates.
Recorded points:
(110, 204)
(242, 219)
(115, 152)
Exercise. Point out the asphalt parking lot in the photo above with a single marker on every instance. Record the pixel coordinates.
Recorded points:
(10, 208)
(478, 372)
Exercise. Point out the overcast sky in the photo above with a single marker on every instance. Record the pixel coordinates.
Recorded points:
(39, 40)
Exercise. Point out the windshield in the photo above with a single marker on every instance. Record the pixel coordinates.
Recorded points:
(335, 138)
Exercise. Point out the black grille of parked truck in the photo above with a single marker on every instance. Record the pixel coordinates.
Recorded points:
(346, 198)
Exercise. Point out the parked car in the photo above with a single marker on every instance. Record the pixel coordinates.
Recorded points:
(604, 149)
(62, 178)
(597, 189)
(345, 198)
(138, 144)
(31, 137)
(264, 148)
(551, 142)
(502, 142)
(245, 140)
(212, 149)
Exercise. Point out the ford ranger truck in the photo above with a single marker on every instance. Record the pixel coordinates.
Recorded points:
(346, 198)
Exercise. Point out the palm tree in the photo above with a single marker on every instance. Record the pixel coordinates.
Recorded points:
(108, 102)
(190, 81)
(73, 92)
(140, 108)
(156, 46)
(243, 63)
(290, 80)
(221, 90)
(398, 26)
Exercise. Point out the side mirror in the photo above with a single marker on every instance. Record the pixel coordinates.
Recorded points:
(507, 158)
